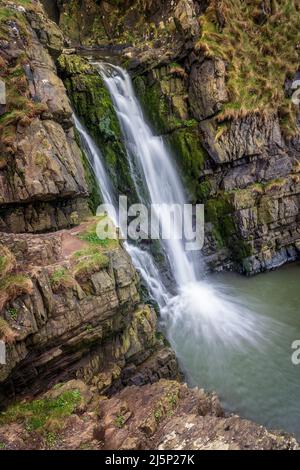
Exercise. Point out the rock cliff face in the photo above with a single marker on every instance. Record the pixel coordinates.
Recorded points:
(69, 305)
(42, 183)
(75, 311)
(238, 149)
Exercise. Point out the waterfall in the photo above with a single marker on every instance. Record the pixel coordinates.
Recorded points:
(95, 159)
(141, 259)
(210, 314)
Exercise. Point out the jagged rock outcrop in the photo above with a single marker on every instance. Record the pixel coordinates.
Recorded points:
(74, 310)
(164, 416)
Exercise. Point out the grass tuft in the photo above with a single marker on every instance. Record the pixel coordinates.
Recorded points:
(261, 52)
(35, 415)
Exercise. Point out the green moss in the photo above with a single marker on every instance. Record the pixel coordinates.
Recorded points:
(37, 413)
(5, 14)
(4, 261)
(191, 157)
(203, 191)
(156, 105)
(120, 421)
(89, 261)
(92, 103)
(15, 282)
(218, 212)
(13, 313)
(61, 277)
(158, 414)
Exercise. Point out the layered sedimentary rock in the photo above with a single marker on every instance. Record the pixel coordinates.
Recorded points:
(69, 304)
(69, 308)
(42, 181)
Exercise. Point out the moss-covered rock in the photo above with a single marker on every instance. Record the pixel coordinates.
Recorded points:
(191, 156)
(92, 103)
(162, 93)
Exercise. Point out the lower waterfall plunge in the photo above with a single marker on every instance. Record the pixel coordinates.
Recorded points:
(201, 311)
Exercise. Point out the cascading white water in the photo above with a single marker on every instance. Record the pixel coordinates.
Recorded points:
(141, 259)
(147, 153)
(95, 159)
(197, 300)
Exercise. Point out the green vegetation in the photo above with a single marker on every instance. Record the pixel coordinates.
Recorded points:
(191, 158)
(157, 104)
(7, 261)
(260, 52)
(51, 439)
(158, 414)
(35, 415)
(5, 14)
(13, 285)
(90, 236)
(89, 261)
(166, 405)
(61, 277)
(120, 421)
(15, 281)
(13, 313)
(93, 238)
(218, 212)
(3, 262)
